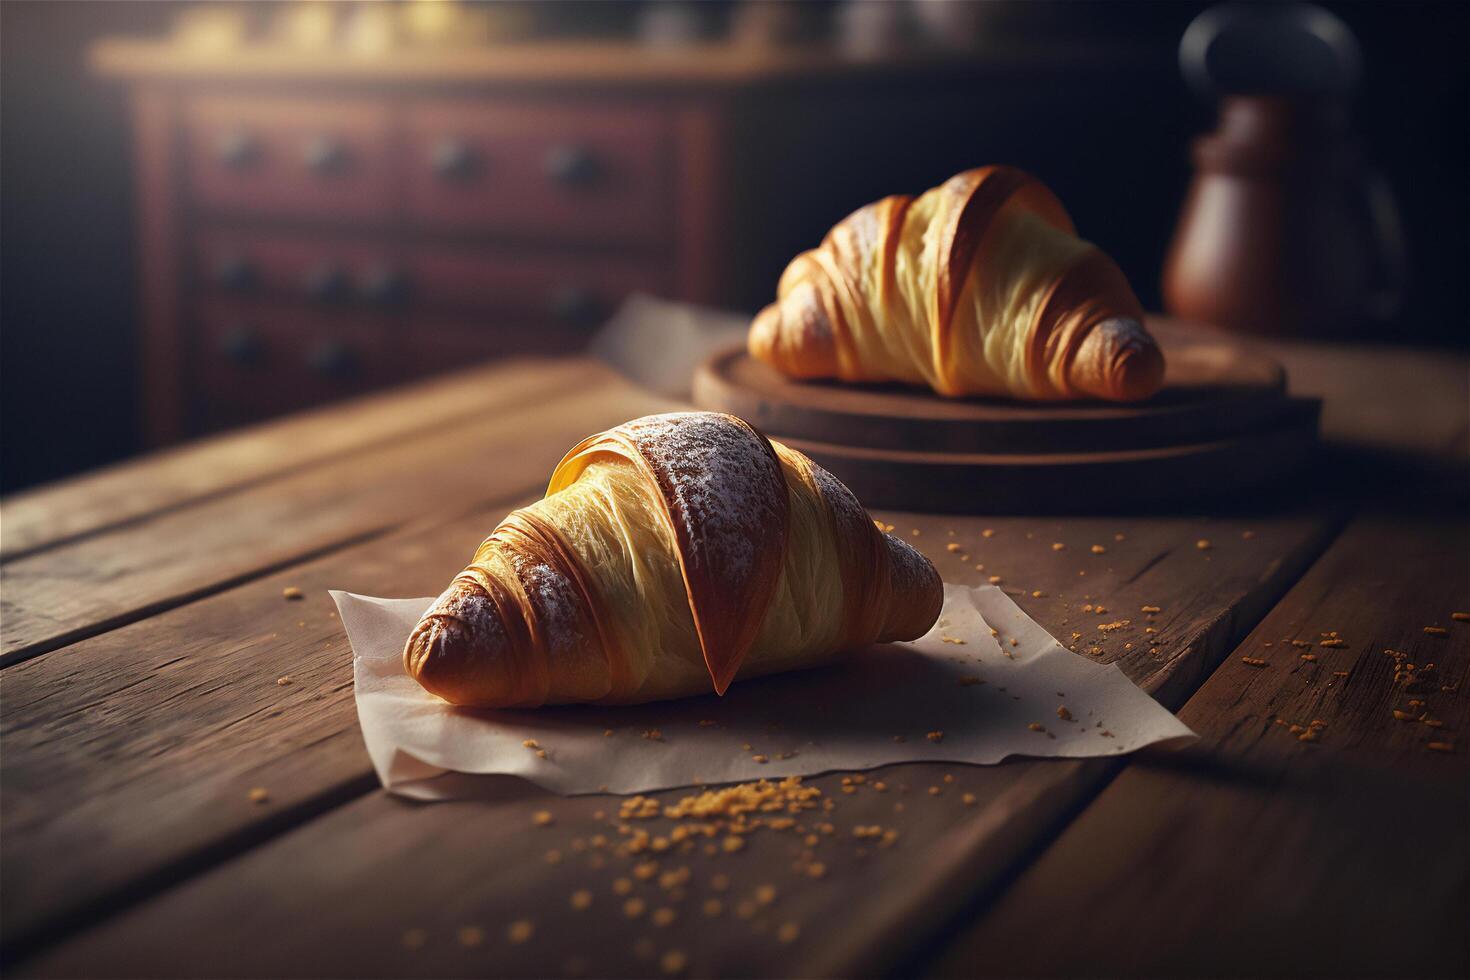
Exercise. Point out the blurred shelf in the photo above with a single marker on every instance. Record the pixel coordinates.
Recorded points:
(581, 63)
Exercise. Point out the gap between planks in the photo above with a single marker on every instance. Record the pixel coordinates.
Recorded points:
(138, 490)
(55, 904)
(1011, 792)
(517, 451)
(1255, 852)
(60, 596)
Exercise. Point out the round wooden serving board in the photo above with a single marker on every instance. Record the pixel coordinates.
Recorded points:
(1223, 423)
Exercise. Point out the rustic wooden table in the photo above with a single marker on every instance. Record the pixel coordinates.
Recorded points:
(173, 807)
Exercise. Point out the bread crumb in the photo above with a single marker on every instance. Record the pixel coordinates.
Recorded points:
(542, 818)
(520, 931)
(292, 592)
(581, 899)
(789, 932)
(1203, 544)
(673, 962)
(935, 736)
(259, 794)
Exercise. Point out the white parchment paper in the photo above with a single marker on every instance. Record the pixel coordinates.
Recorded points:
(980, 695)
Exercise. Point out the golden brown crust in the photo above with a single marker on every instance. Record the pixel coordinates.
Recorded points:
(721, 484)
(525, 624)
(806, 334)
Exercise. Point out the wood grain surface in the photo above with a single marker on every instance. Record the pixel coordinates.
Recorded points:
(72, 591)
(147, 634)
(131, 676)
(1258, 853)
(379, 866)
(165, 481)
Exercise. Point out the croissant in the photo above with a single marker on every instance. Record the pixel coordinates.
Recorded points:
(976, 287)
(670, 553)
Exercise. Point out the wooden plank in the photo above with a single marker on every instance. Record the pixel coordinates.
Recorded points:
(156, 732)
(365, 874)
(71, 592)
(1258, 854)
(133, 491)
(131, 753)
(1416, 409)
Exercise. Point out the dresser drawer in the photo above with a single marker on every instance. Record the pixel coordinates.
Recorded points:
(289, 157)
(255, 360)
(323, 270)
(571, 290)
(589, 173)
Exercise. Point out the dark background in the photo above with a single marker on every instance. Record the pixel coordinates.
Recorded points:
(68, 300)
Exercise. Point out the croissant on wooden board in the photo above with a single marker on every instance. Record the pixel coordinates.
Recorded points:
(671, 554)
(976, 287)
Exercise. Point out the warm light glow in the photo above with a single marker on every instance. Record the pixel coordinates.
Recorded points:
(308, 25)
(371, 30)
(210, 29)
(431, 20)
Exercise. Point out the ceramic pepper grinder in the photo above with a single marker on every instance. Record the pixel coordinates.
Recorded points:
(1285, 229)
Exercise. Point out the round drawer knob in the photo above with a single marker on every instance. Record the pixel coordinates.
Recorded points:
(332, 359)
(237, 149)
(572, 165)
(241, 345)
(326, 283)
(235, 272)
(386, 285)
(453, 159)
(574, 305)
(324, 155)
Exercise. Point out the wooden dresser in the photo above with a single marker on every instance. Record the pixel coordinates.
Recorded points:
(313, 226)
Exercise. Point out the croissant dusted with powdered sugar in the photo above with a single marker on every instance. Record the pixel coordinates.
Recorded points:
(976, 287)
(671, 554)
